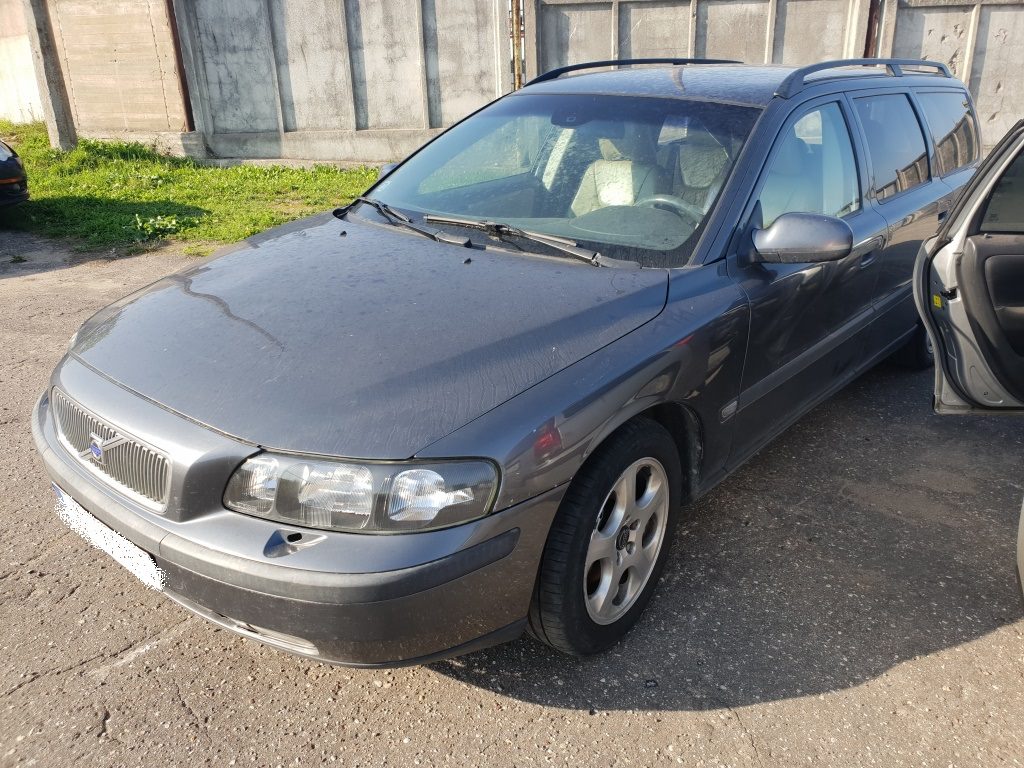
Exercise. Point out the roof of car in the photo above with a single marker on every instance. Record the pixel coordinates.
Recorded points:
(751, 84)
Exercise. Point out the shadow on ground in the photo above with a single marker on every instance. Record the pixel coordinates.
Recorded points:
(871, 532)
(90, 228)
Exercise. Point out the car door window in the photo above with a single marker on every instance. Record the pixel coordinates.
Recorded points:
(899, 159)
(1004, 211)
(813, 169)
(952, 127)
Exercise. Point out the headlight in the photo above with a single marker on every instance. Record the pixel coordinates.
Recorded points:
(368, 497)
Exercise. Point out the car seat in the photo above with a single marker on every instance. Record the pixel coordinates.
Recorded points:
(625, 173)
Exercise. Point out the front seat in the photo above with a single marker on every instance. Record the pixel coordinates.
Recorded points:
(702, 164)
(625, 173)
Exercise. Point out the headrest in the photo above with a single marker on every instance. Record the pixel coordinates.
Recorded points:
(636, 143)
(701, 159)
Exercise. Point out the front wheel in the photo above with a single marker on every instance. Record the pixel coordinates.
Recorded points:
(609, 541)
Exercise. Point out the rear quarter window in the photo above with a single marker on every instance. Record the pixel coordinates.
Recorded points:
(896, 146)
(953, 128)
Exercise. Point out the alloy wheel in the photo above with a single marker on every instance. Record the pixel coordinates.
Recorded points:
(627, 537)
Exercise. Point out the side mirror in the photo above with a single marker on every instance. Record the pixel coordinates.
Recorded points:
(797, 238)
(386, 169)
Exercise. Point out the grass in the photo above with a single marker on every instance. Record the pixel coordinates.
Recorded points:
(128, 196)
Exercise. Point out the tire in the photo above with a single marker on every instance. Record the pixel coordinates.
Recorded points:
(580, 610)
(916, 354)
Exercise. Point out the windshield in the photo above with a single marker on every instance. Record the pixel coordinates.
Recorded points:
(631, 177)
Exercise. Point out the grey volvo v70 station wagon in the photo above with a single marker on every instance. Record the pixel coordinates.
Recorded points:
(473, 402)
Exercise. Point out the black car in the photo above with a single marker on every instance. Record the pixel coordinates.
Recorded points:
(475, 401)
(13, 181)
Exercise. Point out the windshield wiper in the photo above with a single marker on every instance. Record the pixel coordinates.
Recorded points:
(400, 219)
(502, 231)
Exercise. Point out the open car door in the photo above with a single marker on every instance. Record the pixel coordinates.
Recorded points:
(969, 289)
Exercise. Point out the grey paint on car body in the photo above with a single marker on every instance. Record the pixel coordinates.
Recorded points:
(385, 341)
(381, 344)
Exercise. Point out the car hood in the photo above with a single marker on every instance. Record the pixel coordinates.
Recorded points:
(358, 339)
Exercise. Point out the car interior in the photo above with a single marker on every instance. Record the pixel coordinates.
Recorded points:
(992, 278)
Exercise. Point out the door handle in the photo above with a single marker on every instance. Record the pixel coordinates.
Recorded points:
(869, 251)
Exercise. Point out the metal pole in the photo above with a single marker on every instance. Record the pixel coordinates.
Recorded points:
(517, 44)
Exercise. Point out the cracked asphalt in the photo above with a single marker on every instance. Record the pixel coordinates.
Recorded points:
(845, 599)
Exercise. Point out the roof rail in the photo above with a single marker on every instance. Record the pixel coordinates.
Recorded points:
(556, 73)
(797, 79)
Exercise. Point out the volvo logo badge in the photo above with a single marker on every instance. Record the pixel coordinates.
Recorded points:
(98, 447)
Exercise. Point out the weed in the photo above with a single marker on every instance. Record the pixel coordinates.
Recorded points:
(117, 194)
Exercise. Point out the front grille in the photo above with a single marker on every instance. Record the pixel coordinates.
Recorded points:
(130, 465)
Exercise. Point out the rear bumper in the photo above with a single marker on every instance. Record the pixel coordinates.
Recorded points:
(443, 593)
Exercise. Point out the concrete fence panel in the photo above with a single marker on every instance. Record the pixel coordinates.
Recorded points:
(754, 31)
(19, 91)
(119, 64)
(352, 79)
(371, 80)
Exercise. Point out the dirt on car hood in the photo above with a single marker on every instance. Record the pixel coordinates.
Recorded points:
(356, 339)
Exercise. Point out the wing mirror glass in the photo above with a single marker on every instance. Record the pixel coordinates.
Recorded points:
(797, 238)
(386, 169)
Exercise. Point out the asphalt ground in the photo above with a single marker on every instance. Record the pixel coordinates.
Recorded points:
(845, 599)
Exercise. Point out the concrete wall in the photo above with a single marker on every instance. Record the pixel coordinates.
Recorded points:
(371, 80)
(349, 79)
(764, 31)
(19, 91)
(983, 43)
(119, 65)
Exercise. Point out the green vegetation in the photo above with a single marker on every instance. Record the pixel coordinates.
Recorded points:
(115, 194)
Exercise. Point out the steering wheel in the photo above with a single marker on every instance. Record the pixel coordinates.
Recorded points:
(678, 206)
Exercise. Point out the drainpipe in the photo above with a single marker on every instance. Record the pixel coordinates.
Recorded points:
(517, 44)
(871, 37)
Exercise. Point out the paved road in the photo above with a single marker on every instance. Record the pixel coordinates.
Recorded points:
(846, 599)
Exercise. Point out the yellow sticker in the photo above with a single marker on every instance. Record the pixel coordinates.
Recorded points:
(937, 301)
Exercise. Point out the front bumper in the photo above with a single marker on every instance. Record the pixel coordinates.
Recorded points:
(355, 599)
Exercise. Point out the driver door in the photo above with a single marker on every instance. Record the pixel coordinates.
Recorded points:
(807, 321)
(969, 289)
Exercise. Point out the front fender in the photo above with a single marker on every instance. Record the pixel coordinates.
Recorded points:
(691, 355)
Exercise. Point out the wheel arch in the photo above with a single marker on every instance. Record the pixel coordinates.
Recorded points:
(682, 423)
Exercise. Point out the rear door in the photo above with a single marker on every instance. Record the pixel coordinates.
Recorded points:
(969, 289)
(905, 192)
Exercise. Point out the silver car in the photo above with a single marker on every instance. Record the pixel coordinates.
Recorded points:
(969, 288)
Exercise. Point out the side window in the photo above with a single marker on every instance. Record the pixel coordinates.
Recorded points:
(1004, 211)
(954, 132)
(899, 160)
(813, 169)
